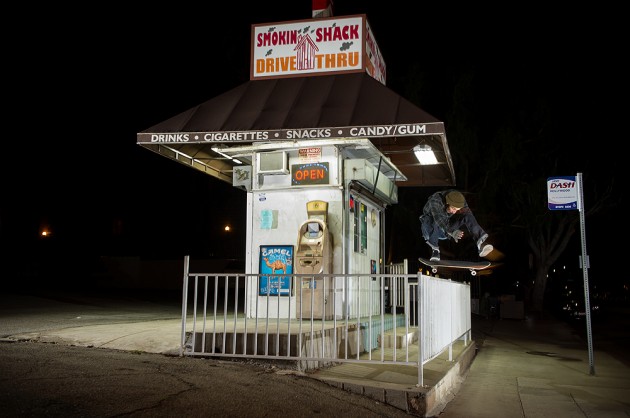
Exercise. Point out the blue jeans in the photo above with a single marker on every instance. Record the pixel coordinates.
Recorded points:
(432, 233)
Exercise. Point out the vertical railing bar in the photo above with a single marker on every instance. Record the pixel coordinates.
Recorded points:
(407, 319)
(291, 279)
(194, 327)
(234, 339)
(384, 283)
(245, 315)
(334, 353)
(451, 323)
(312, 342)
(394, 283)
(182, 344)
(421, 330)
(214, 310)
(300, 288)
(346, 316)
(278, 316)
(267, 316)
(257, 308)
(358, 327)
(324, 309)
(225, 305)
(205, 310)
(370, 315)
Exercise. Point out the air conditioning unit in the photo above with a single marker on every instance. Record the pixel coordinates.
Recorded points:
(276, 162)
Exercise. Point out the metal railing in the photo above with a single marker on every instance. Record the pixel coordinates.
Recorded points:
(324, 319)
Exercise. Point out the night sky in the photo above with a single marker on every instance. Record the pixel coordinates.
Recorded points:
(81, 88)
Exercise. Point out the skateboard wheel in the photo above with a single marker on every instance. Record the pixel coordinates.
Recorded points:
(434, 270)
(473, 272)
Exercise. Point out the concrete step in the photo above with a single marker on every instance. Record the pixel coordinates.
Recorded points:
(402, 338)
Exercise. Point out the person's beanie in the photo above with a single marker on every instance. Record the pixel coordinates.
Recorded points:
(456, 199)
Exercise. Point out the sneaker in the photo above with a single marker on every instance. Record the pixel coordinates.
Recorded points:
(481, 240)
(435, 256)
(485, 250)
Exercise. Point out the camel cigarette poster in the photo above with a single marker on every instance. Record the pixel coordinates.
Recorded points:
(276, 268)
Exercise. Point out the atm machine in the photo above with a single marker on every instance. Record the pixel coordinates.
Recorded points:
(314, 256)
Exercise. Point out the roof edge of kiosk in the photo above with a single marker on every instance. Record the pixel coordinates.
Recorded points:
(341, 109)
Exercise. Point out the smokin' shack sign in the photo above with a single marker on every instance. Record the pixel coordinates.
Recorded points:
(315, 46)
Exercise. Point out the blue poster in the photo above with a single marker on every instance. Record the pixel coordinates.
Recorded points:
(276, 261)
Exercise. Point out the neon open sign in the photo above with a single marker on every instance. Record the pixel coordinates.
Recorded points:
(312, 173)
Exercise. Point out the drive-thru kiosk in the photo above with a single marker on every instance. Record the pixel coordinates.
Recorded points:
(327, 205)
(320, 146)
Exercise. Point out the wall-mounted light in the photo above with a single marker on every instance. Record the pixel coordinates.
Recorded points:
(425, 155)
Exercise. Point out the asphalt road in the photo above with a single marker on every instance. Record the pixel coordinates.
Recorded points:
(53, 380)
(48, 379)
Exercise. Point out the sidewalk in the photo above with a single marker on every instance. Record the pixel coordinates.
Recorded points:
(522, 368)
(539, 368)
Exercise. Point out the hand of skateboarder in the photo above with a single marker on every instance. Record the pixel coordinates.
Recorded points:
(457, 235)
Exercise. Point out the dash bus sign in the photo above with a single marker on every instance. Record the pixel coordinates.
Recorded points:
(562, 193)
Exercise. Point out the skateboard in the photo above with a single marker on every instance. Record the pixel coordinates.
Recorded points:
(473, 266)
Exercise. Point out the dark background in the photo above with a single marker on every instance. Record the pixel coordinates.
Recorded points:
(81, 83)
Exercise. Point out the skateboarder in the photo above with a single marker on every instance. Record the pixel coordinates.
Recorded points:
(443, 216)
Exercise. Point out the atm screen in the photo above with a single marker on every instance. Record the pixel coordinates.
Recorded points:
(312, 229)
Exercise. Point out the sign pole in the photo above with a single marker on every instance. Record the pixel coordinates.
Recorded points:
(584, 266)
(565, 193)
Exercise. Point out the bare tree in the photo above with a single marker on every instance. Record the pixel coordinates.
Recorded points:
(504, 154)
(509, 129)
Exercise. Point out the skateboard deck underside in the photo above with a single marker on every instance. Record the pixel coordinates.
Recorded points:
(473, 266)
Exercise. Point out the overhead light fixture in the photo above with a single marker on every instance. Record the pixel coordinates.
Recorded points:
(425, 155)
(215, 149)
